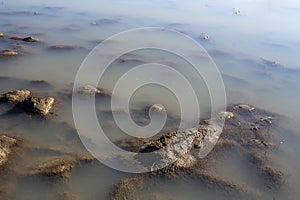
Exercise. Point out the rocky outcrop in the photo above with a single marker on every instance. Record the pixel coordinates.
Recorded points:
(6, 144)
(15, 97)
(237, 136)
(40, 106)
(32, 105)
(26, 39)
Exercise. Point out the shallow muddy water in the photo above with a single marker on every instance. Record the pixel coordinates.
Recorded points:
(256, 52)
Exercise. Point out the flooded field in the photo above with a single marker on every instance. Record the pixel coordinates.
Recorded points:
(255, 46)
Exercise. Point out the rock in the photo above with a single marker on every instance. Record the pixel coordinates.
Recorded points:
(158, 108)
(22, 99)
(1, 34)
(92, 90)
(185, 147)
(267, 119)
(170, 146)
(244, 107)
(5, 148)
(40, 106)
(8, 53)
(26, 39)
(15, 97)
(226, 115)
(204, 36)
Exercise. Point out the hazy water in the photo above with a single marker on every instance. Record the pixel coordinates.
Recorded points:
(241, 45)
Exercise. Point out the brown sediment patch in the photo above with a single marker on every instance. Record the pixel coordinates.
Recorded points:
(274, 178)
(65, 47)
(56, 166)
(51, 167)
(127, 188)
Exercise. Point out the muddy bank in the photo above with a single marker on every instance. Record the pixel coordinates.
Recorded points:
(248, 131)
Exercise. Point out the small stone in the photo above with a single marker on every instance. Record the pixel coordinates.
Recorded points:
(158, 108)
(226, 115)
(15, 97)
(204, 36)
(267, 119)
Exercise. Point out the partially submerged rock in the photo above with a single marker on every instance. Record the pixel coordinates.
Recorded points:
(26, 39)
(226, 115)
(22, 99)
(244, 107)
(5, 148)
(92, 90)
(204, 36)
(40, 106)
(8, 53)
(238, 136)
(15, 97)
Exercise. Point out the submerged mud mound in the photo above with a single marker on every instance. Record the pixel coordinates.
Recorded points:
(248, 131)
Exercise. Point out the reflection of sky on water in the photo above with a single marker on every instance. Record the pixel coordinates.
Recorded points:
(265, 28)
